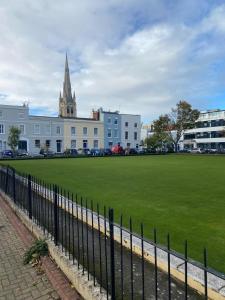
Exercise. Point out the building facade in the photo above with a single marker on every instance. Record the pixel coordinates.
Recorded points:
(130, 131)
(209, 132)
(112, 125)
(67, 131)
(122, 129)
(81, 133)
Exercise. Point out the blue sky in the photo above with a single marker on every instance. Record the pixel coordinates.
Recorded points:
(136, 56)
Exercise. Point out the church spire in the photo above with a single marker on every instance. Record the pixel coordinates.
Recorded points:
(67, 85)
(67, 103)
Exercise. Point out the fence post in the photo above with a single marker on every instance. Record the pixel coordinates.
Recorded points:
(14, 185)
(6, 180)
(112, 254)
(56, 231)
(29, 197)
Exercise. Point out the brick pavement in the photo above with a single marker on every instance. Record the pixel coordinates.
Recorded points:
(18, 281)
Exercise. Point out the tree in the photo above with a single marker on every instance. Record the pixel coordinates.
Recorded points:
(169, 128)
(152, 141)
(161, 134)
(14, 137)
(182, 117)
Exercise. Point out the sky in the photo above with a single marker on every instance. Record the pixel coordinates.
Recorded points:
(135, 56)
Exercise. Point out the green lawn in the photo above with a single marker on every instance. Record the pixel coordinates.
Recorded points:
(180, 194)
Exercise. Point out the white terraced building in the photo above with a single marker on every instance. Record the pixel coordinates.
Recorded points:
(209, 132)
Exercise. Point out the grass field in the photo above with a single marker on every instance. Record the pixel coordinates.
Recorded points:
(183, 195)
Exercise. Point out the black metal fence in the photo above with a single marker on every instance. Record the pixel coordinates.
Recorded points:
(102, 249)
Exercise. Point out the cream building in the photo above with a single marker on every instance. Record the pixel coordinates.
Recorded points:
(82, 133)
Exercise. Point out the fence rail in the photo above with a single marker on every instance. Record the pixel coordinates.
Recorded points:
(126, 265)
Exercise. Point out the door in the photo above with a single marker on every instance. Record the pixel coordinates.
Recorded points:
(59, 146)
(22, 145)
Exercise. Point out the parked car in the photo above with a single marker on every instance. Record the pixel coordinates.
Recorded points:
(212, 151)
(7, 153)
(70, 152)
(133, 151)
(22, 153)
(184, 151)
(130, 151)
(107, 151)
(197, 150)
(117, 149)
(46, 153)
(86, 151)
(95, 152)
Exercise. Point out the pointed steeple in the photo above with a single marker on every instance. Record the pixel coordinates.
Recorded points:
(67, 103)
(67, 85)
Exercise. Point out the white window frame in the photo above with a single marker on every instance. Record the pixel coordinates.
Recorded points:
(21, 115)
(96, 133)
(23, 128)
(85, 134)
(35, 143)
(58, 130)
(109, 130)
(71, 130)
(2, 129)
(34, 129)
(71, 143)
(94, 144)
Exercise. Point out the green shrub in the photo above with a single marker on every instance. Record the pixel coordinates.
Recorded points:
(38, 249)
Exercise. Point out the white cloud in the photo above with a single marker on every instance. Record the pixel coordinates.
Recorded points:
(138, 58)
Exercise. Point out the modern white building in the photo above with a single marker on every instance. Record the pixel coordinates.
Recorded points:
(209, 132)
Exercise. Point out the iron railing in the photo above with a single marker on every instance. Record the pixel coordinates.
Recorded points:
(124, 264)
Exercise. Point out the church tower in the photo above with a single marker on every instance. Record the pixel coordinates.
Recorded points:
(67, 102)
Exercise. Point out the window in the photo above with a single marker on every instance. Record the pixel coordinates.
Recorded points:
(126, 135)
(115, 133)
(135, 135)
(36, 129)
(85, 144)
(73, 144)
(37, 143)
(0, 113)
(128, 144)
(22, 129)
(109, 133)
(73, 130)
(109, 120)
(68, 110)
(95, 131)
(110, 144)
(126, 124)
(135, 125)
(95, 144)
(58, 130)
(21, 115)
(2, 129)
(116, 121)
(48, 143)
(71, 111)
(0, 145)
(84, 130)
